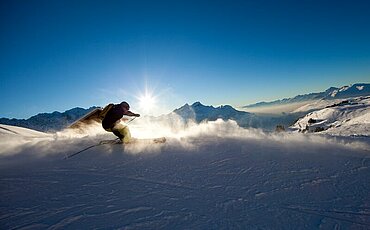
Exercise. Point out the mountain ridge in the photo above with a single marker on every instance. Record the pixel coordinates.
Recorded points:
(354, 90)
(199, 112)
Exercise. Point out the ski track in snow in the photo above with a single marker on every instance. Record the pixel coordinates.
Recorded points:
(218, 183)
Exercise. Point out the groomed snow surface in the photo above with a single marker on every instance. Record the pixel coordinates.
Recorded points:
(215, 175)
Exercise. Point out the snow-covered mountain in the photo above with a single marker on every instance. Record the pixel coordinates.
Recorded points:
(339, 117)
(47, 122)
(355, 90)
(346, 117)
(199, 112)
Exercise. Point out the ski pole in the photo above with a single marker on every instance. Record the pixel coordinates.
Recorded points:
(130, 120)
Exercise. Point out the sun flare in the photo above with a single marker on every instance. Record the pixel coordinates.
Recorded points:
(147, 102)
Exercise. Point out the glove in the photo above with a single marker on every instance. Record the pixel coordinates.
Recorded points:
(137, 115)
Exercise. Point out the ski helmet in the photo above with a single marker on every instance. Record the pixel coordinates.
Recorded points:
(125, 105)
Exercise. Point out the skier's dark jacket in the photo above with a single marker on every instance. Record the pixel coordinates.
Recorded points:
(115, 114)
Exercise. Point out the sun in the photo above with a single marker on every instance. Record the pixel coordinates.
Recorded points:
(147, 101)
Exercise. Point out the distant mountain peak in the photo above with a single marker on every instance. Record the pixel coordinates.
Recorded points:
(354, 90)
(199, 112)
(198, 103)
(359, 89)
(226, 107)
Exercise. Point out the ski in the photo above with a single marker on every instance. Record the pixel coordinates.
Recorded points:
(160, 140)
(104, 142)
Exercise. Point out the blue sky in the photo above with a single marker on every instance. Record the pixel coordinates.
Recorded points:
(56, 55)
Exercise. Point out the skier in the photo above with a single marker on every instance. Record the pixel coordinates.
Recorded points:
(113, 114)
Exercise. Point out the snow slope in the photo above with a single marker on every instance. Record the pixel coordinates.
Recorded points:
(12, 137)
(49, 122)
(20, 132)
(345, 117)
(213, 175)
(316, 105)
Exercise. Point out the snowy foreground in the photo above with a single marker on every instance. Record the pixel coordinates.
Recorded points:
(208, 176)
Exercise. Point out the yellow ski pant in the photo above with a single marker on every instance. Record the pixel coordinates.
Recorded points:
(121, 131)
